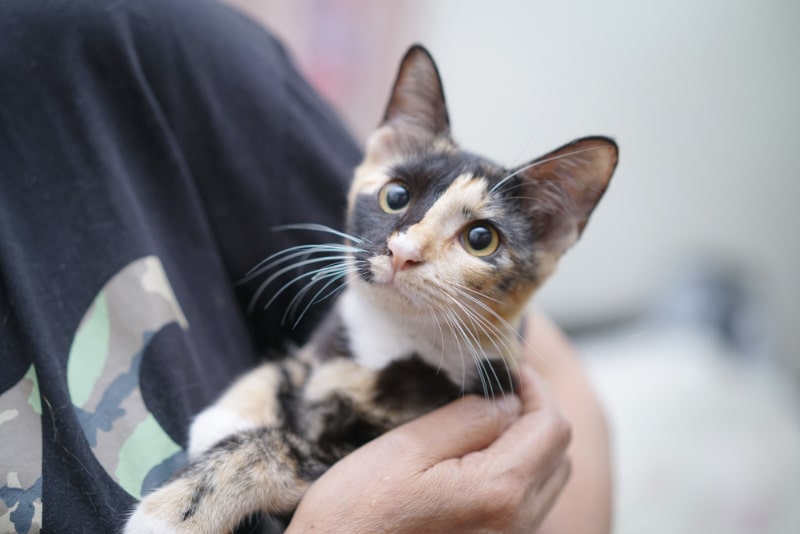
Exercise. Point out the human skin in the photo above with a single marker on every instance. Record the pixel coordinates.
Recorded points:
(481, 466)
(585, 505)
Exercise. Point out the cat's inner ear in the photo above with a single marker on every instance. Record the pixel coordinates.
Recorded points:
(417, 98)
(564, 187)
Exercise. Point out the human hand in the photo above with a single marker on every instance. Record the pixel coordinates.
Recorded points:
(471, 466)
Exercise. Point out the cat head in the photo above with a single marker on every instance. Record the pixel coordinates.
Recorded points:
(441, 225)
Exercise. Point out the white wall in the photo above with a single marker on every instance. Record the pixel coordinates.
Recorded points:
(703, 100)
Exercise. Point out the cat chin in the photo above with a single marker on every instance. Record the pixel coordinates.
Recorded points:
(389, 294)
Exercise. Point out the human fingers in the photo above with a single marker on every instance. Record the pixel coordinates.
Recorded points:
(534, 444)
(409, 479)
(539, 499)
(454, 430)
(551, 487)
(533, 390)
(509, 491)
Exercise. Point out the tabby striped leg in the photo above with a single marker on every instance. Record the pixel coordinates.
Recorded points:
(251, 402)
(258, 470)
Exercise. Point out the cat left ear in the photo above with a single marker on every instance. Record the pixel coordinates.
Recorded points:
(418, 97)
(566, 185)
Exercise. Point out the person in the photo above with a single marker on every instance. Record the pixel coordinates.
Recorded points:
(146, 150)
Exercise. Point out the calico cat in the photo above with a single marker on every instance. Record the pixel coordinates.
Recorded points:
(442, 252)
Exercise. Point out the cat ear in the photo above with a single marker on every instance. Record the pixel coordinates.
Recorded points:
(418, 97)
(566, 185)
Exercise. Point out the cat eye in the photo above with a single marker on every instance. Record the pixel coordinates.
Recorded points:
(480, 239)
(393, 197)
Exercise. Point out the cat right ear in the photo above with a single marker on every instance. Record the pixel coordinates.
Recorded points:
(418, 97)
(564, 186)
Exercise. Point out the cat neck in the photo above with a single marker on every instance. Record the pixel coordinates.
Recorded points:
(379, 335)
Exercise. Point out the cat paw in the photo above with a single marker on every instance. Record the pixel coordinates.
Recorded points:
(144, 523)
(211, 426)
(160, 512)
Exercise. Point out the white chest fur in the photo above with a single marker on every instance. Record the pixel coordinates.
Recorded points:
(379, 335)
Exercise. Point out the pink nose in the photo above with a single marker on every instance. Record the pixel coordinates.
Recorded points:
(405, 252)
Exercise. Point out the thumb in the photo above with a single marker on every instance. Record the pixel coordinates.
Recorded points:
(467, 425)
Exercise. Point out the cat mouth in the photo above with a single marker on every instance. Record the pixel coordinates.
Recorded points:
(393, 284)
(385, 271)
(382, 270)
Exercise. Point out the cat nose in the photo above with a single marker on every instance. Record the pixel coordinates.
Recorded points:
(405, 252)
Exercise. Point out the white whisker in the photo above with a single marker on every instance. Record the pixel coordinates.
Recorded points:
(475, 292)
(334, 276)
(448, 320)
(333, 271)
(489, 332)
(455, 324)
(291, 253)
(493, 333)
(513, 332)
(474, 345)
(320, 228)
(264, 285)
(499, 184)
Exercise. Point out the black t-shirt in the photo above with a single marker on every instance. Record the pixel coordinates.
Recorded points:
(147, 149)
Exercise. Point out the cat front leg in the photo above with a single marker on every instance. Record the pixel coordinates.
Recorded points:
(251, 402)
(258, 470)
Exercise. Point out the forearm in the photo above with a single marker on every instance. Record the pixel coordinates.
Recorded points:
(585, 506)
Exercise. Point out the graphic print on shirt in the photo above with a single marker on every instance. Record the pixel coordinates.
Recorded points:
(21, 437)
(103, 381)
(103, 376)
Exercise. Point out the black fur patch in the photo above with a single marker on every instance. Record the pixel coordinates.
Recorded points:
(499, 379)
(307, 467)
(200, 491)
(412, 383)
(345, 428)
(290, 402)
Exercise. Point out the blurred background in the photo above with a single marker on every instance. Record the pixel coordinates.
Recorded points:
(684, 292)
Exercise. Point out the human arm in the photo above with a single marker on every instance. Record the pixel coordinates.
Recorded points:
(585, 505)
